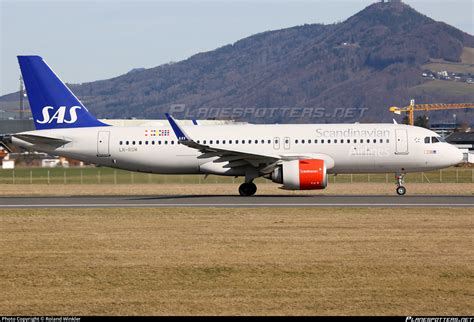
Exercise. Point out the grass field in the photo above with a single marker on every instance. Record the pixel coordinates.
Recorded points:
(111, 176)
(466, 65)
(237, 261)
(104, 181)
(449, 87)
(467, 56)
(450, 67)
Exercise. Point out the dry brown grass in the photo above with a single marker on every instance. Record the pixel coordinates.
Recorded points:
(230, 189)
(236, 261)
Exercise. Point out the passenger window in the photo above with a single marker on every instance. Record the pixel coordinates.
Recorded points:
(388, 140)
(381, 140)
(302, 141)
(375, 140)
(126, 142)
(361, 140)
(120, 142)
(262, 141)
(269, 141)
(256, 141)
(210, 141)
(204, 142)
(368, 140)
(166, 142)
(355, 140)
(322, 141)
(172, 141)
(133, 142)
(223, 141)
(316, 141)
(159, 142)
(329, 141)
(309, 141)
(198, 142)
(250, 141)
(335, 140)
(296, 141)
(217, 141)
(230, 141)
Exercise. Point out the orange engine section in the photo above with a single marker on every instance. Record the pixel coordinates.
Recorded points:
(308, 174)
(312, 174)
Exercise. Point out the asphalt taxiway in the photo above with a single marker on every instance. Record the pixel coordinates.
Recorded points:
(226, 201)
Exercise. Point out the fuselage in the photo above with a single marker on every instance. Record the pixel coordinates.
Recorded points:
(348, 148)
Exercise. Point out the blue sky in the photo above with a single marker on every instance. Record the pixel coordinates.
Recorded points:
(90, 40)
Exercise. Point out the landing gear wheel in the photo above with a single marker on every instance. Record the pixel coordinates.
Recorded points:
(247, 189)
(401, 190)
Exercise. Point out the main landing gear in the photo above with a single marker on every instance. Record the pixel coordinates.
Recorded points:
(401, 190)
(247, 189)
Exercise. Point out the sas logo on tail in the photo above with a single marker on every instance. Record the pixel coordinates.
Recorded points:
(60, 115)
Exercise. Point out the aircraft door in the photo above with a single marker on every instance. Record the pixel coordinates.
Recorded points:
(287, 143)
(276, 143)
(401, 142)
(103, 146)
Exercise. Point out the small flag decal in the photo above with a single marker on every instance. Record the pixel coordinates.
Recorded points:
(157, 132)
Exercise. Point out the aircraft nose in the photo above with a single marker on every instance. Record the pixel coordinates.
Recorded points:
(456, 155)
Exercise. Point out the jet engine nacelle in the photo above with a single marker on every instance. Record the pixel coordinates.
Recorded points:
(301, 174)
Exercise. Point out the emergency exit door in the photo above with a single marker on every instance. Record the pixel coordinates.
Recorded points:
(103, 144)
(401, 142)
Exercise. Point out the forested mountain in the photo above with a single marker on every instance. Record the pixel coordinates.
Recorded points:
(373, 60)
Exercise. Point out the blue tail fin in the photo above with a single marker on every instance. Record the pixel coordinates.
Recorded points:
(52, 104)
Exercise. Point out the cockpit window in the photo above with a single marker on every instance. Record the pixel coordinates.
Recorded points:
(427, 139)
(434, 139)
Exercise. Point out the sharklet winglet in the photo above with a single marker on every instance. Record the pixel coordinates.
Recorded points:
(180, 134)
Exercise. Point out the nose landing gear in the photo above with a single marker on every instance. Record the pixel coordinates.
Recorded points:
(247, 189)
(401, 190)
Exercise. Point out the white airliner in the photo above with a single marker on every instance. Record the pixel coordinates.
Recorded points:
(299, 157)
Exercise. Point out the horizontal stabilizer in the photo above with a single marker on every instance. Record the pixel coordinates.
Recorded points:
(6, 142)
(41, 140)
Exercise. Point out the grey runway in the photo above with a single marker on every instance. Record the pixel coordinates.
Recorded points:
(225, 201)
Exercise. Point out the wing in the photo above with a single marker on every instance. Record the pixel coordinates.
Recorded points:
(235, 158)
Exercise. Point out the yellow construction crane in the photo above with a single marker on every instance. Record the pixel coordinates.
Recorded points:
(410, 109)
